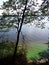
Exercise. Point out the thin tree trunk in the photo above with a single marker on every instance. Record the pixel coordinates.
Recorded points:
(15, 51)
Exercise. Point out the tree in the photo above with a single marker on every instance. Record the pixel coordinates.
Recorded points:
(18, 12)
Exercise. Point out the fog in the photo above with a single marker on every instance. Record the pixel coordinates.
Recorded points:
(30, 32)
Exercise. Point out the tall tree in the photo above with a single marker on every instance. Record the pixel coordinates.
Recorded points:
(18, 12)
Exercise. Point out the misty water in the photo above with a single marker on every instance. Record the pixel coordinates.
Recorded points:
(34, 38)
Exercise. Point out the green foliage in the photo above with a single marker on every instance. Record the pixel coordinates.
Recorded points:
(33, 50)
(17, 6)
(44, 54)
(6, 49)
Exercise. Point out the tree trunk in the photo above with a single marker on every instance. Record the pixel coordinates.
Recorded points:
(15, 51)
